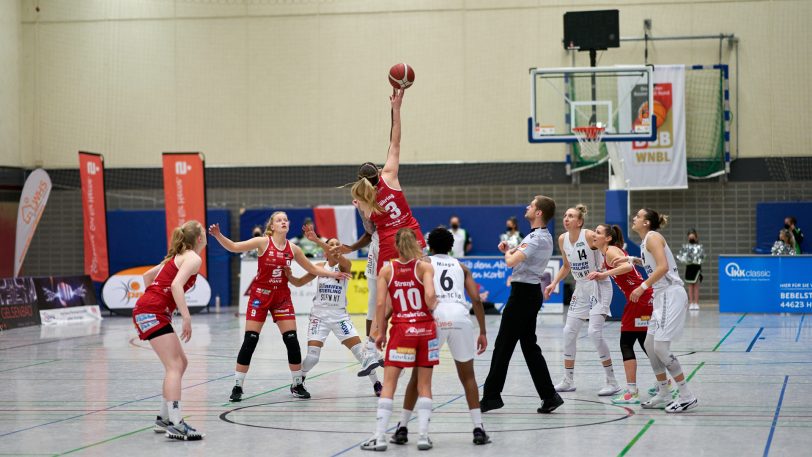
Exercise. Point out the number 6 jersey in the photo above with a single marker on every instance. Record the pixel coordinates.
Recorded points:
(449, 280)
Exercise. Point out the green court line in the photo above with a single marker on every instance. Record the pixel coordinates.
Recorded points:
(31, 365)
(741, 318)
(728, 333)
(636, 437)
(694, 372)
(104, 441)
(288, 385)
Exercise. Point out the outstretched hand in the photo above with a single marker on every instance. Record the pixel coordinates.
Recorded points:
(309, 233)
(214, 230)
(396, 98)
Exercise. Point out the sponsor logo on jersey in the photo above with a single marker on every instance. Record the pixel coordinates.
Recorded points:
(255, 303)
(444, 325)
(417, 331)
(346, 327)
(434, 343)
(395, 356)
(434, 355)
(401, 350)
(523, 246)
(641, 321)
(146, 321)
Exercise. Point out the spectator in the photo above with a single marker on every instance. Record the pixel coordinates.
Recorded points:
(785, 244)
(512, 235)
(253, 254)
(310, 249)
(462, 242)
(797, 233)
(692, 254)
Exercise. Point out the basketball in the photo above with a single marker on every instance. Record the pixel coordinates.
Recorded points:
(401, 76)
(660, 111)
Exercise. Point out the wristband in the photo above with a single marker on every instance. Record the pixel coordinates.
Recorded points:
(644, 286)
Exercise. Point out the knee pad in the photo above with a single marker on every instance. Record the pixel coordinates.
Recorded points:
(662, 350)
(656, 364)
(249, 344)
(312, 358)
(292, 344)
(627, 346)
(596, 335)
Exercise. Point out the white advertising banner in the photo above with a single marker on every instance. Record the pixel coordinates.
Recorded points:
(658, 164)
(32, 203)
(124, 288)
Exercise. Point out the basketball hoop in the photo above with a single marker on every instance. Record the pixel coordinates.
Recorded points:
(589, 138)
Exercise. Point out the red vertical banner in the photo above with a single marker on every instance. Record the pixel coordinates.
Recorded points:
(94, 209)
(184, 192)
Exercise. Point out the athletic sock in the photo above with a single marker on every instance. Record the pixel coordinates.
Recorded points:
(684, 391)
(174, 412)
(631, 387)
(405, 417)
(569, 373)
(476, 417)
(610, 374)
(384, 411)
(423, 407)
(373, 377)
(164, 409)
(239, 378)
(297, 377)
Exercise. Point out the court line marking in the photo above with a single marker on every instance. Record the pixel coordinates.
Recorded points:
(123, 435)
(694, 371)
(755, 338)
(31, 365)
(775, 418)
(728, 333)
(108, 408)
(800, 326)
(636, 437)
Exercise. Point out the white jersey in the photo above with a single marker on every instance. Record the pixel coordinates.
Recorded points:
(583, 259)
(449, 280)
(331, 294)
(372, 257)
(671, 277)
(458, 249)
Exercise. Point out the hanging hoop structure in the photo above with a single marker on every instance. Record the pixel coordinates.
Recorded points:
(589, 139)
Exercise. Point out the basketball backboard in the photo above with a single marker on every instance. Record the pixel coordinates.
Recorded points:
(617, 98)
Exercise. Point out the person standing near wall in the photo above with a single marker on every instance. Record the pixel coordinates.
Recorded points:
(692, 254)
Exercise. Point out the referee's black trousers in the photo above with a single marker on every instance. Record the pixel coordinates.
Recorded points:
(519, 326)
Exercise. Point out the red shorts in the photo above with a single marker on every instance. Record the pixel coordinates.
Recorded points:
(148, 323)
(413, 345)
(387, 250)
(636, 315)
(277, 302)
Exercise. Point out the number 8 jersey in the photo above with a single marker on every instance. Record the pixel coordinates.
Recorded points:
(408, 294)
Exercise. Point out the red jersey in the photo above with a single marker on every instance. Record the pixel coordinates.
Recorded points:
(633, 313)
(408, 294)
(270, 266)
(397, 213)
(158, 297)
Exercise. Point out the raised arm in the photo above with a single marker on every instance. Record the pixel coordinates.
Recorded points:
(472, 290)
(300, 258)
(390, 168)
(298, 281)
(259, 243)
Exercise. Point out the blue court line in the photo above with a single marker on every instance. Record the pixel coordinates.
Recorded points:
(775, 418)
(755, 338)
(800, 326)
(109, 408)
(355, 446)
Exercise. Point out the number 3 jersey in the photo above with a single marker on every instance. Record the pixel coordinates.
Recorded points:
(449, 281)
(407, 292)
(396, 215)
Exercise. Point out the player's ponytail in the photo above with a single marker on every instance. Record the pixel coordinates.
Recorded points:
(364, 192)
(655, 220)
(617, 236)
(184, 238)
(406, 244)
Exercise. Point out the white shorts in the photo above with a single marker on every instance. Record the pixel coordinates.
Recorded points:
(591, 298)
(670, 310)
(372, 287)
(322, 323)
(454, 325)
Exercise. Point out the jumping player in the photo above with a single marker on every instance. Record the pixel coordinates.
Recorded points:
(451, 281)
(636, 315)
(409, 283)
(270, 294)
(152, 316)
(670, 309)
(590, 301)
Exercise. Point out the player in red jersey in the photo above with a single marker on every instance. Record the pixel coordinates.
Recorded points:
(413, 343)
(636, 314)
(152, 316)
(270, 294)
(380, 197)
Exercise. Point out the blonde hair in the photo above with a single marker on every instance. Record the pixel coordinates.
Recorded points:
(269, 224)
(406, 244)
(184, 238)
(364, 192)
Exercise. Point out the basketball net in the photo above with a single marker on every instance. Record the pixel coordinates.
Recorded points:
(589, 139)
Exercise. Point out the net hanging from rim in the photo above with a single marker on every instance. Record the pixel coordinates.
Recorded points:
(589, 138)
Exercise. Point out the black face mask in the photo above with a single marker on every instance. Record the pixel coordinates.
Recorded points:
(455, 226)
(786, 226)
(257, 233)
(692, 241)
(508, 229)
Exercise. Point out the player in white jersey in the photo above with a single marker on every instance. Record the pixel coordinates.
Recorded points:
(451, 281)
(329, 315)
(590, 301)
(670, 308)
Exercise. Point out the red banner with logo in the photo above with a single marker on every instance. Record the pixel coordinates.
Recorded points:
(184, 192)
(94, 209)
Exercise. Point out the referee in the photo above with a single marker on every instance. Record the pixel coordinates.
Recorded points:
(528, 260)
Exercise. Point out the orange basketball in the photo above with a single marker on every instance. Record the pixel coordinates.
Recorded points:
(401, 76)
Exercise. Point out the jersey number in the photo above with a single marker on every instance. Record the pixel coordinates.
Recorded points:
(446, 282)
(411, 295)
(393, 210)
(581, 254)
